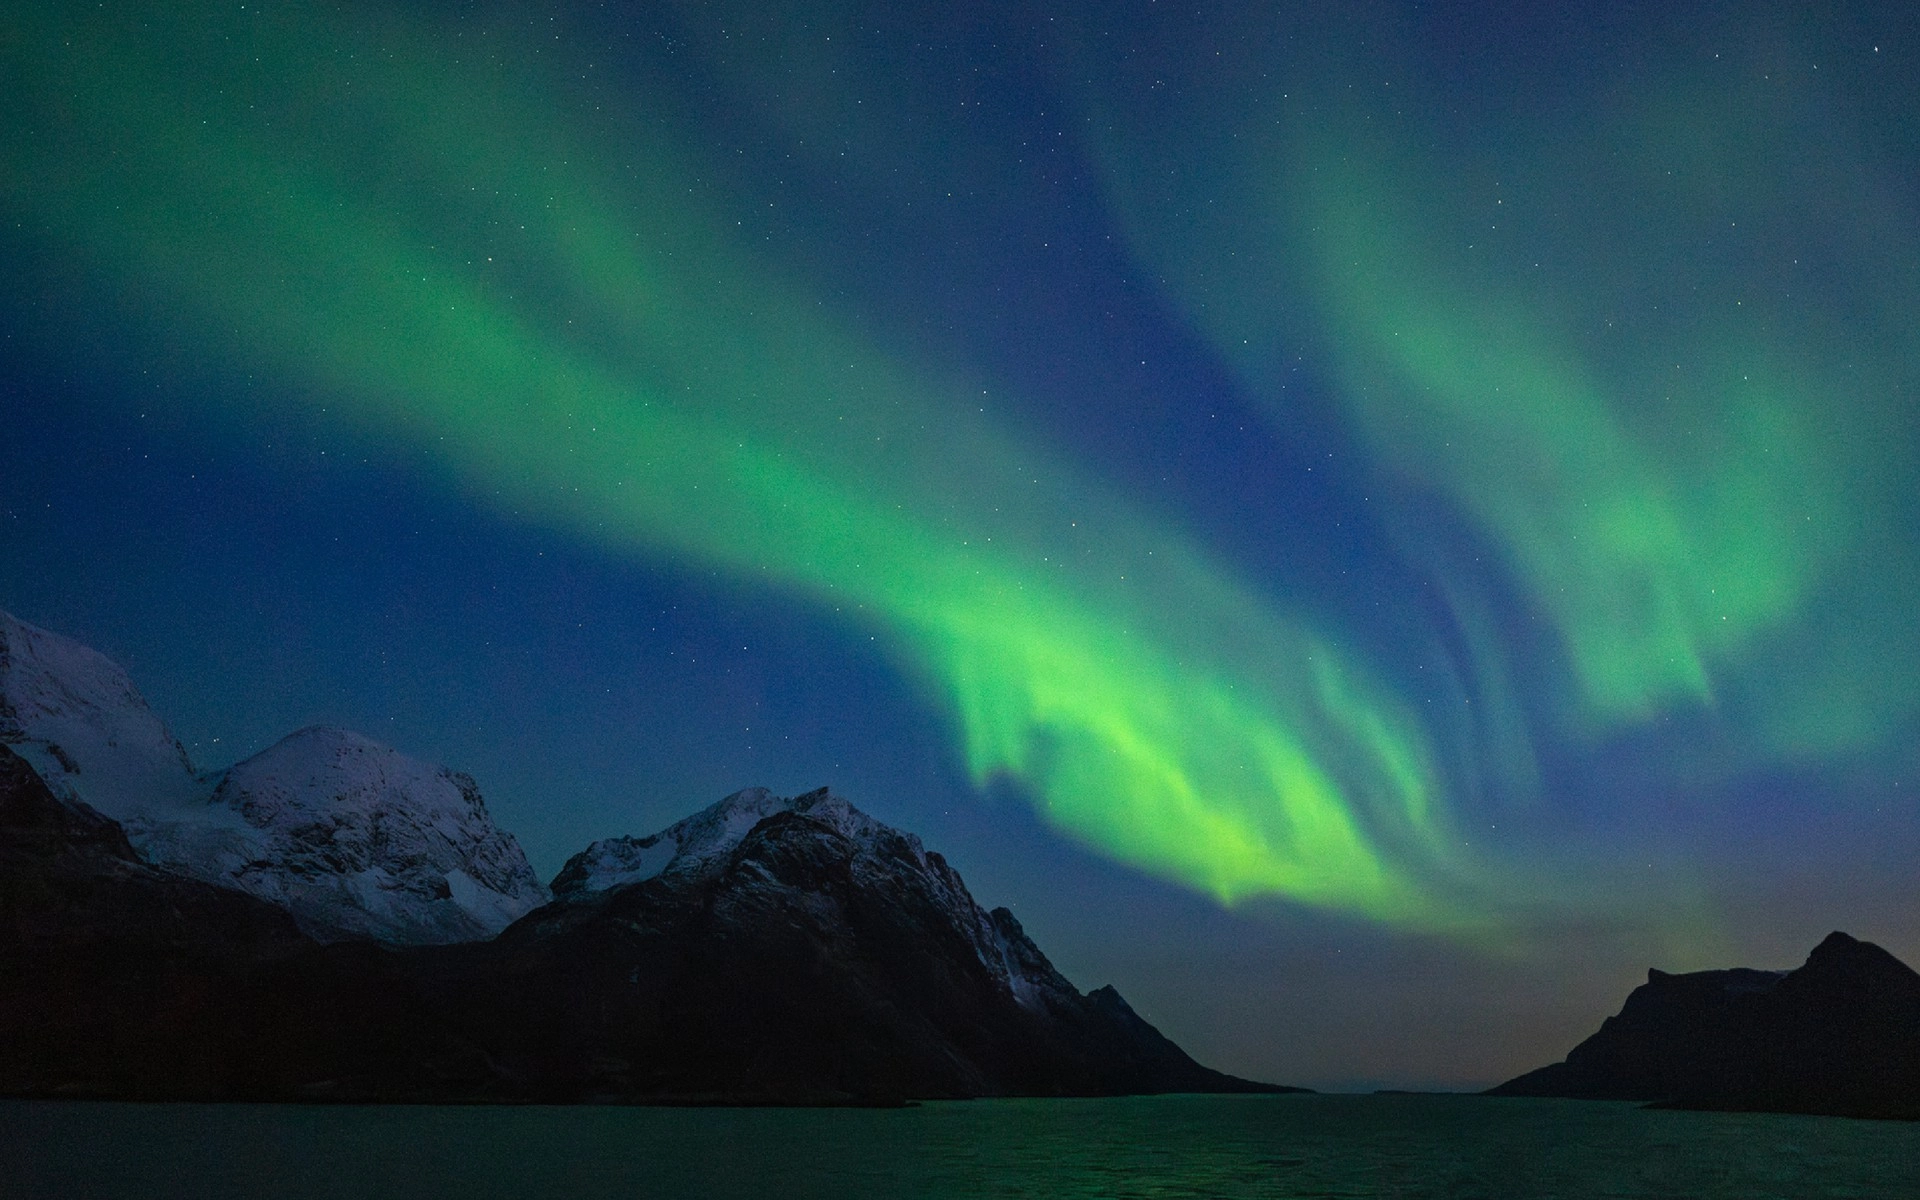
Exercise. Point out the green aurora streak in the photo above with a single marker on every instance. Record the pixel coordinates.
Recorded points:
(375, 215)
(1653, 343)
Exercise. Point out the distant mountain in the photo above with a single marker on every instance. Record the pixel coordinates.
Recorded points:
(358, 840)
(695, 853)
(307, 925)
(354, 839)
(123, 980)
(1839, 1035)
(781, 948)
(700, 844)
(77, 718)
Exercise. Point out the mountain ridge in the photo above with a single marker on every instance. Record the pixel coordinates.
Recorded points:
(1838, 1035)
(293, 928)
(352, 837)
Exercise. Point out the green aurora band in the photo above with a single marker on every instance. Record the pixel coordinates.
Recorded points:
(379, 216)
(1650, 336)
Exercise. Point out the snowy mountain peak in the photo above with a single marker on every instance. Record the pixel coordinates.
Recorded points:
(352, 837)
(76, 718)
(702, 842)
(359, 840)
(700, 849)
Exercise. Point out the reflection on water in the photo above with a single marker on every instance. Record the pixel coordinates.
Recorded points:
(1170, 1146)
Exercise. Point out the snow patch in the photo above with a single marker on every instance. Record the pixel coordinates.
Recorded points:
(362, 841)
(352, 837)
(702, 843)
(76, 717)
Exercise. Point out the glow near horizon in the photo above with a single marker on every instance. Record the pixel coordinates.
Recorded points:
(626, 372)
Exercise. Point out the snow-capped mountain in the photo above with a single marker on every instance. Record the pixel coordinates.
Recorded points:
(353, 838)
(804, 965)
(358, 840)
(76, 717)
(772, 947)
(702, 846)
(694, 844)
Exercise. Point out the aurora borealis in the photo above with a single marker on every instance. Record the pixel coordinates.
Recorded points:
(1618, 341)
(1437, 481)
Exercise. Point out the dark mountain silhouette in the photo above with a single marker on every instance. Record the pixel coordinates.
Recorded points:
(817, 957)
(1839, 1035)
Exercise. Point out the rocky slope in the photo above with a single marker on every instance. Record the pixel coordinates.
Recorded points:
(358, 840)
(76, 717)
(1838, 1035)
(799, 948)
(696, 852)
(351, 837)
(813, 956)
(122, 980)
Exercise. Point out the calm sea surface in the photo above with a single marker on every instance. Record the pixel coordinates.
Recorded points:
(1317, 1146)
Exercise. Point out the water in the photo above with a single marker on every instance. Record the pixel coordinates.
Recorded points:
(1177, 1146)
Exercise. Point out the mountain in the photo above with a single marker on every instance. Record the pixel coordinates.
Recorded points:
(352, 838)
(694, 854)
(1838, 1035)
(76, 717)
(783, 948)
(698, 844)
(358, 840)
(790, 951)
(122, 980)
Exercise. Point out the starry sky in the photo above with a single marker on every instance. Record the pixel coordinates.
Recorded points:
(1367, 524)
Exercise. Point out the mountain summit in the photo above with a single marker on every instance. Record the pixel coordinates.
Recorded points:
(1839, 1035)
(331, 920)
(697, 851)
(783, 947)
(75, 716)
(798, 964)
(358, 840)
(352, 838)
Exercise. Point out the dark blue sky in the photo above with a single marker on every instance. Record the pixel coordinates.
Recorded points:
(1545, 373)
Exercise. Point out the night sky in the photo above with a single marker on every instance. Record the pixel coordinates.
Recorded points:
(1367, 527)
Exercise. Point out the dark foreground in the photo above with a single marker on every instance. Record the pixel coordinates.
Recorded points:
(1239, 1146)
(804, 965)
(1839, 1036)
